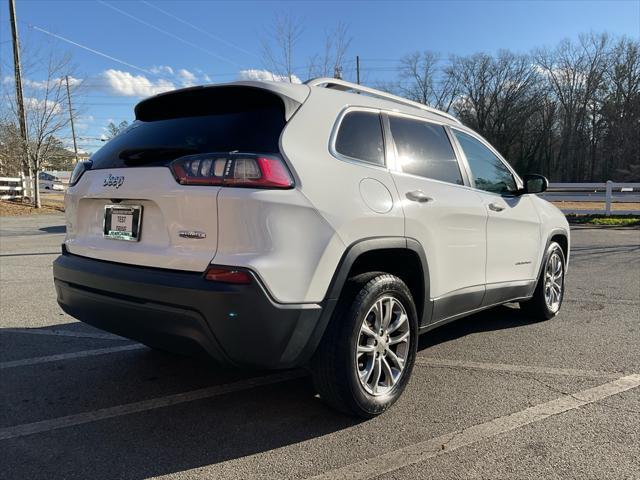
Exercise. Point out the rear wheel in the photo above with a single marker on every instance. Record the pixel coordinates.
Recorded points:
(367, 353)
(549, 292)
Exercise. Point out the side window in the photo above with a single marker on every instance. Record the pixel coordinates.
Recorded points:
(424, 150)
(360, 137)
(487, 171)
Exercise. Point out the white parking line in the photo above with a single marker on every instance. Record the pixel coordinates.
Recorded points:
(420, 452)
(64, 333)
(505, 367)
(161, 402)
(68, 356)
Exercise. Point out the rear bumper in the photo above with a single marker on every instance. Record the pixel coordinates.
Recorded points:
(183, 312)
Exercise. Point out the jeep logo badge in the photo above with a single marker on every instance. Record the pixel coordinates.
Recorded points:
(113, 181)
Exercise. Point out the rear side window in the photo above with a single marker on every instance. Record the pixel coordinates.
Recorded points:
(199, 121)
(360, 137)
(424, 149)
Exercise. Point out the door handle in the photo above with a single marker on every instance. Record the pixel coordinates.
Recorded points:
(495, 207)
(418, 196)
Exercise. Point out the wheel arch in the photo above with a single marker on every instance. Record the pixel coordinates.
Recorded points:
(400, 256)
(560, 236)
(366, 253)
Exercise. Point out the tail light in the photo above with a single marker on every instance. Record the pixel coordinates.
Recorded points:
(78, 171)
(233, 170)
(228, 275)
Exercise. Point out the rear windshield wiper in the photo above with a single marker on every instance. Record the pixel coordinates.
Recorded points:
(152, 154)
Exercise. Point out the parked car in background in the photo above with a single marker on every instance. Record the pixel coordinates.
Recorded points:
(323, 225)
(50, 182)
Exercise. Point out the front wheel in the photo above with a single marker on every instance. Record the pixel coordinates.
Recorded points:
(367, 354)
(549, 292)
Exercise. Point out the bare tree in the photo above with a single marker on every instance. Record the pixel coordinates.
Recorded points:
(11, 148)
(278, 48)
(498, 97)
(113, 129)
(47, 114)
(621, 113)
(575, 71)
(571, 112)
(332, 60)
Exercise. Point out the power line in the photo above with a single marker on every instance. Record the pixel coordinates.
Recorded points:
(195, 27)
(92, 50)
(172, 35)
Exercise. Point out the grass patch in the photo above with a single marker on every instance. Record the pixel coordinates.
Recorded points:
(613, 220)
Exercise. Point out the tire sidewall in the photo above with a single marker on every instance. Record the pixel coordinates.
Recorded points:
(553, 248)
(386, 285)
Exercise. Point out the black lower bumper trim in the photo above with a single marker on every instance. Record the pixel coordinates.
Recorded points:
(182, 312)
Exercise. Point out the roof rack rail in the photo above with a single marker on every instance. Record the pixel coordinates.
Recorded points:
(343, 85)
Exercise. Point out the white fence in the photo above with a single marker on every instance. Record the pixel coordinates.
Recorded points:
(608, 192)
(16, 187)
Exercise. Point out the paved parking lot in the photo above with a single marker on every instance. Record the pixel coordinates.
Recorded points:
(492, 396)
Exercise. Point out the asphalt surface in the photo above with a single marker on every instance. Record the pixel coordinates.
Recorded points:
(492, 396)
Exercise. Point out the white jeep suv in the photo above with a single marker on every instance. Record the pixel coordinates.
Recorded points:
(326, 225)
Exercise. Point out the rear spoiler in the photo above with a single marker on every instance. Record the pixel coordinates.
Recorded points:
(208, 99)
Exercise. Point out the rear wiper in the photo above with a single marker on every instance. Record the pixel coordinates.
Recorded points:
(141, 155)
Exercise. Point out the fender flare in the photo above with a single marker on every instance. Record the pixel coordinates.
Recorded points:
(553, 233)
(340, 276)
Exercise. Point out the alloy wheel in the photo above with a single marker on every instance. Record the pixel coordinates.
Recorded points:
(554, 281)
(383, 346)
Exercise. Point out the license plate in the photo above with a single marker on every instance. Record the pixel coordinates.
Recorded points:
(122, 222)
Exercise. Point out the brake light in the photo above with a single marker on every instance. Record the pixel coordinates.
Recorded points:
(228, 275)
(233, 170)
(78, 171)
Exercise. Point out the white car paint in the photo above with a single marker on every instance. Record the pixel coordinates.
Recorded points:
(294, 239)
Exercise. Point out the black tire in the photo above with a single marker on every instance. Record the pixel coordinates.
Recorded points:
(537, 307)
(335, 369)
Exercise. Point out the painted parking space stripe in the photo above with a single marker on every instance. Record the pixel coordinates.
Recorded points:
(145, 405)
(69, 356)
(65, 333)
(505, 367)
(422, 451)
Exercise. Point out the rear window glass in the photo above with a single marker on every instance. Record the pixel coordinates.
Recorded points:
(164, 134)
(424, 149)
(360, 137)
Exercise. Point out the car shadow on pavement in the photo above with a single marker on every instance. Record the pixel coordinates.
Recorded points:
(155, 441)
(171, 439)
(54, 229)
(497, 318)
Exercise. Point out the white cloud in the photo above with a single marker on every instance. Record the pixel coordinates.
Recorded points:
(40, 104)
(265, 75)
(187, 78)
(126, 84)
(161, 69)
(42, 84)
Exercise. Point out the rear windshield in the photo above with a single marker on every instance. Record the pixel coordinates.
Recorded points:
(178, 125)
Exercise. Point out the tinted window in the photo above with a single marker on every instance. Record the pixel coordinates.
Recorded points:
(487, 171)
(360, 137)
(424, 149)
(199, 121)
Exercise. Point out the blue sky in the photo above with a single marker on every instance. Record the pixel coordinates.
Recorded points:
(225, 38)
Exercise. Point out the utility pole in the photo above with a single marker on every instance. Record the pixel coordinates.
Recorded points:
(18, 74)
(73, 130)
(358, 69)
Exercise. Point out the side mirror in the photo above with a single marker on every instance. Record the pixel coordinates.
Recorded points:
(534, 183)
